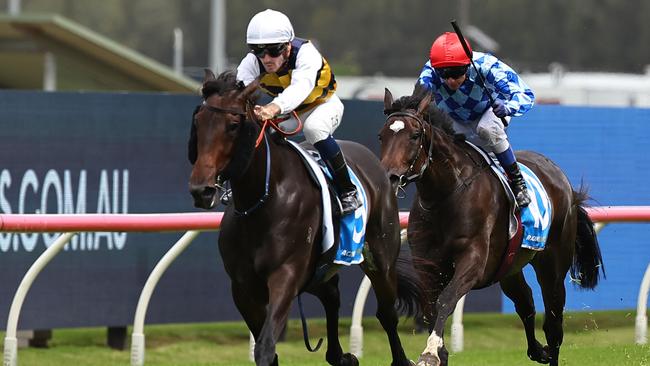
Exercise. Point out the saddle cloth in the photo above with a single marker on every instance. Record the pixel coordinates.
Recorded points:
(352, 227)
(536, 217)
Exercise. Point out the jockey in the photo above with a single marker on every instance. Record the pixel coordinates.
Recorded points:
(458, 91)
(294, 73)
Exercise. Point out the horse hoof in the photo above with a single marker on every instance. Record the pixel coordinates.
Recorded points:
(539, 354)
(427, 359)
(348, 359)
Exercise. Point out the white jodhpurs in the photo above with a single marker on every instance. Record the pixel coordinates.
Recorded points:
(319, 122)
(488, 132)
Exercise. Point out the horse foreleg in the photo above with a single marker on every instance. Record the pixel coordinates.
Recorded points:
(282, 290)
(251, 303)
(384, 283)
(329, 295)
(465, 277)
(517, 290)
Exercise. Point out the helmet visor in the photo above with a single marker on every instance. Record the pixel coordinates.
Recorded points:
(453, 72)
(273, 50)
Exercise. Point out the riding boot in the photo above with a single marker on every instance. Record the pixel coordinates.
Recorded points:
(518, 184)
(346, 189)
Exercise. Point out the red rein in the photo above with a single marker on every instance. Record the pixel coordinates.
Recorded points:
(274, 122)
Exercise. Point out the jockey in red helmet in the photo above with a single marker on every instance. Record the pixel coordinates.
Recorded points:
(458, 91)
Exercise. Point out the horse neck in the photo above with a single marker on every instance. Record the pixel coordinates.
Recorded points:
(443, 174)
(250, 186)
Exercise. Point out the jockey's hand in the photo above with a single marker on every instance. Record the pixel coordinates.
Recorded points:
(499, 108)
(267, 111)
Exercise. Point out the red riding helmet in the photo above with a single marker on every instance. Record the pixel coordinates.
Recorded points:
(446, 51)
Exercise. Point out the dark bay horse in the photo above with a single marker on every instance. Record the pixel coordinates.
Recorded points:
(459, 223)
(271, 231)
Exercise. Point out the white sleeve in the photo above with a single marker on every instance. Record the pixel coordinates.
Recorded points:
(248, 69)
(303, 79)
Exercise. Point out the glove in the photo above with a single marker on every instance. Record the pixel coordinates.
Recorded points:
(499, 109)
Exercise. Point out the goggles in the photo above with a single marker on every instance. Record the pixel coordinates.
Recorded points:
(273, 50)
(453, 72)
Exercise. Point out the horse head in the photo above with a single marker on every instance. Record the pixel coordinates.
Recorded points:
(403, 138)
(225, 135)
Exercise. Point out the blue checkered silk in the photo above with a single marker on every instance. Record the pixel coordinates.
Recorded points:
(469, 102)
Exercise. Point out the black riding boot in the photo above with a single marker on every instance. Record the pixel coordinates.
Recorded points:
(346, 189)
(518, 185)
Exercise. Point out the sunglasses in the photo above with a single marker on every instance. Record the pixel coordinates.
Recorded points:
(453, 72)
(273, 50)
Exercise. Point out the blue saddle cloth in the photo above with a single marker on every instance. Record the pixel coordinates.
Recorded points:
(536, 217)
(352, 227)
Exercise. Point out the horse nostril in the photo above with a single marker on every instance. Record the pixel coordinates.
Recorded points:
(208, 192)
(203, 194)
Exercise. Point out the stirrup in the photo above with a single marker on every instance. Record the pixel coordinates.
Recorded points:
(522, 197)
(349, 202)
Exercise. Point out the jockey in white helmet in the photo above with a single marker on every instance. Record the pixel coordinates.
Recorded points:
(299, 79)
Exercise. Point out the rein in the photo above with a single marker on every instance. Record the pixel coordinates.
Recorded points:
(275, 123)
(267, 178)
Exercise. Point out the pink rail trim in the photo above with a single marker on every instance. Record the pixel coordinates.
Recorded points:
(111, 222)
(598, 214)
(212, 220)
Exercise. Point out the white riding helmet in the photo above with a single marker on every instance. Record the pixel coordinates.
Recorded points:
(269, 26)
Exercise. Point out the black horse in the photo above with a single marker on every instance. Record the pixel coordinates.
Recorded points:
(459, 222)
(271, 232)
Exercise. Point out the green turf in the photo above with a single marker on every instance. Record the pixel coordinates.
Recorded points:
(599, 338)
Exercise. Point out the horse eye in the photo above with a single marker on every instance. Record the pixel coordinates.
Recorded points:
(379, 137)
(416, 135)
(232, 126)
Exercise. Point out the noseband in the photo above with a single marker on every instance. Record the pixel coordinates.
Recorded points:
(405, 178)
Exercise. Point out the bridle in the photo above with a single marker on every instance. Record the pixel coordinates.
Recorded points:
(405, 178)
(274, 122)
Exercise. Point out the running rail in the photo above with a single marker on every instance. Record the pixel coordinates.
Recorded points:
(70, 225)
(194, 223)
(600, 215)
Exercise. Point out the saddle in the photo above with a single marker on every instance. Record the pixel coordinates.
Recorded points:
(527, 228)
(343, 237)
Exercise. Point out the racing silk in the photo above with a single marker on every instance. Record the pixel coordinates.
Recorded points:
(305, 81)
(470, 101)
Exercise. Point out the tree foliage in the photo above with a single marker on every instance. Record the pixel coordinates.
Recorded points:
(387, 37)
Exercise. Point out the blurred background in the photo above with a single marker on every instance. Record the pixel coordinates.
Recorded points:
(594, 51)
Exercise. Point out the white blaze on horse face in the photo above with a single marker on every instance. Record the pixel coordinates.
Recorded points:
(397, 126)
(434, 342)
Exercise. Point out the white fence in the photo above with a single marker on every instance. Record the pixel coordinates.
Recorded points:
(194, 223)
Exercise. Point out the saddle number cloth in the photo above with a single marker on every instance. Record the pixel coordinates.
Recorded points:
(536, 217)
(353, 227)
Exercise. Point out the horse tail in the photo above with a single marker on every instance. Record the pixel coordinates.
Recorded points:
(587, 260)
(411, 291)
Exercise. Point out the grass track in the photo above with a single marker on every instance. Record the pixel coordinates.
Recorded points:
(599, 338)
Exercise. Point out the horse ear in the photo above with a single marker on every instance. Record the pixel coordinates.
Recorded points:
(208, 75)
(250, 88)
(424, 104)
(388, 100)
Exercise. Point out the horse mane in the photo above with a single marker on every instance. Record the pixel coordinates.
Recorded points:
(225, 82)
(245, 141)
(432, 115)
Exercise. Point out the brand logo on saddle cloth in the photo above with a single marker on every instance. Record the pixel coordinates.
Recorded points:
(353, 227)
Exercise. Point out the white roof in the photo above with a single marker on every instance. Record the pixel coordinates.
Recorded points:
(566, 88)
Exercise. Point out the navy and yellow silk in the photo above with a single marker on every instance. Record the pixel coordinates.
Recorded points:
(274, 83)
